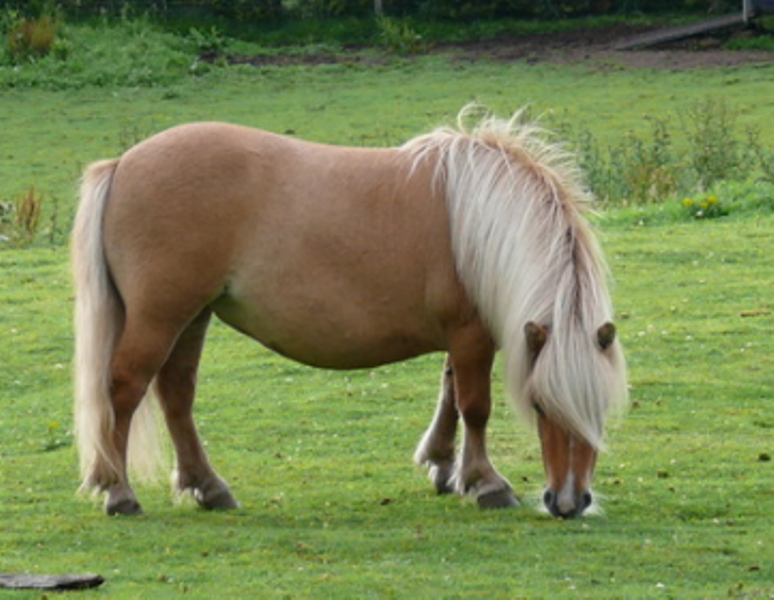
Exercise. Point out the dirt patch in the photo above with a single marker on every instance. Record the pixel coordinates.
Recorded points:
(595, 47)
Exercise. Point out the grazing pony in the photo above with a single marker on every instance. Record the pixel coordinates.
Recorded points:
(463, 240)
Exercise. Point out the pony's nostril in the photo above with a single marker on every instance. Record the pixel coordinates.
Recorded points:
(587, 500)
(548, 498)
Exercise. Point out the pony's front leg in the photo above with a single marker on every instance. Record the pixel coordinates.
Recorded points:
(475, 473)
(436, 450)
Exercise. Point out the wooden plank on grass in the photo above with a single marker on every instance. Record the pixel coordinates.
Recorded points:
(50, 582)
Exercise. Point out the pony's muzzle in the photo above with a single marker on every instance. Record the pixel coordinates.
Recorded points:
(566, 506)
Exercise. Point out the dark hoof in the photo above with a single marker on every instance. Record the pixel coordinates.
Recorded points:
(443, 488)
(498, 499)
(220, 501)
(124, 507)
(441, 476)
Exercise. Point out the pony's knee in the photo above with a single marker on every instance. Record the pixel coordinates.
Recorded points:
(475, 413)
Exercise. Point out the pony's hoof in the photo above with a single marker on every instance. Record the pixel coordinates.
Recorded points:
(498, 499)
(443, 488)
(441, 476)
(222, 500)
(128, 507)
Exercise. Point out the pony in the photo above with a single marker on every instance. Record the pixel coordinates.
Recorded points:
(466, 240)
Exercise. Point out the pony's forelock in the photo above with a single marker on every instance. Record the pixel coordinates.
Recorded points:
(525, 253)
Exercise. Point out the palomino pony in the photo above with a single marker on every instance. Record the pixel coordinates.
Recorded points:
(463, 241)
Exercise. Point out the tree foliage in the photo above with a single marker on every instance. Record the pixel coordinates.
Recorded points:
(244, 10)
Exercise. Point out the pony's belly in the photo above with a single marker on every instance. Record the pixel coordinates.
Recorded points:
(330, 339)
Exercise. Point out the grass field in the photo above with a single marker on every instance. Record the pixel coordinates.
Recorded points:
(49, 136)
(321, 461)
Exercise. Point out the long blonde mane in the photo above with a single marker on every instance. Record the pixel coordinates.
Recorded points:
(525, 252)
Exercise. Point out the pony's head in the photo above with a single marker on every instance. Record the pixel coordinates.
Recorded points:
(530, 261)
(569, 446)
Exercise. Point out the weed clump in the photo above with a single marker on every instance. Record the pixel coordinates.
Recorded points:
(20, 219)
(398, 37)
(30, 39)
(707, 206)
(681, 156)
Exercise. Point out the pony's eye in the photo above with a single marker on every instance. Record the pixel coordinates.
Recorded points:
(538, 409)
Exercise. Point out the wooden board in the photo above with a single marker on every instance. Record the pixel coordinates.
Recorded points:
(671, 34)
(50, 582)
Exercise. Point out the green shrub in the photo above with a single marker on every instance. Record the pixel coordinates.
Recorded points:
(399, 37)
(207, 40)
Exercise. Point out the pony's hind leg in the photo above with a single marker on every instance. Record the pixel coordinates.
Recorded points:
(176, 387)
(141, 350)
(436, 449)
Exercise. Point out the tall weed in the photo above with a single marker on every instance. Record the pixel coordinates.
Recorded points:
(32, 38)
(715, 152)
(648, 165)
(20, 219)
(208, 41)
(761, 156)
(399, 37)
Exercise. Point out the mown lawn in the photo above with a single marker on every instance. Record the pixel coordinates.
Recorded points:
(321, 460)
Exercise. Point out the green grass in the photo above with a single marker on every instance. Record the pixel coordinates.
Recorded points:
(321, 461)
(49, 136)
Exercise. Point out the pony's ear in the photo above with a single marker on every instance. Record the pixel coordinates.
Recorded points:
(537, 337)
(606, 335)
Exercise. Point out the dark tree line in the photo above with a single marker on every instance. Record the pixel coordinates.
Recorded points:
(445, 9)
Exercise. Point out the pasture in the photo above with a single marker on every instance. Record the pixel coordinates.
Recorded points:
(320, 460)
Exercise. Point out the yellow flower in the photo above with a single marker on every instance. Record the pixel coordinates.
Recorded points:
(712, 200)
(704, 205)
(688, 202)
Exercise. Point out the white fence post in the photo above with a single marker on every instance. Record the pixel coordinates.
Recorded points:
(747, 10)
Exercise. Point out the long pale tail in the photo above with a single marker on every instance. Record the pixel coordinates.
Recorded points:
(99, 317)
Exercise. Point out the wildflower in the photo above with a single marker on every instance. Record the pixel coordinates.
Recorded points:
(712, 200)
(688, 202)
